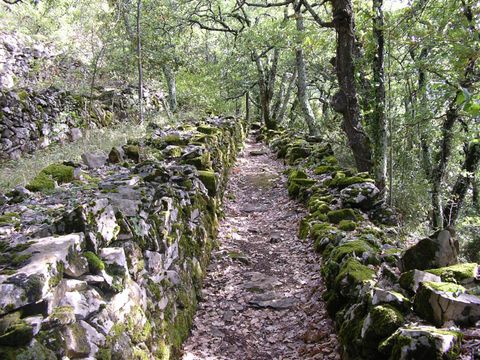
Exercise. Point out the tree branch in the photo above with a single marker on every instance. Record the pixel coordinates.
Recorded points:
(315, 16)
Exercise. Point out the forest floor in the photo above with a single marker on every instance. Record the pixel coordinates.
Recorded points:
(262, 293)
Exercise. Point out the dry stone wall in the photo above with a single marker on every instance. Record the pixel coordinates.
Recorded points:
(31, 119)
(388, 302)
(107, 262)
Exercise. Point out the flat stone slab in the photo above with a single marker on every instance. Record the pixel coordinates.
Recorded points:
(272, 300)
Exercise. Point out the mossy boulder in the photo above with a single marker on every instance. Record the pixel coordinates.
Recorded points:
(442, 302)
(439, 250)
(335, 216)
(381, 322)
(355, 248)
(410, 280)
(208, 179)
(459, 273)
(347, 225)
(46, 179)
(422, 342)
(323, 169)
(300, 149)
(341, 182)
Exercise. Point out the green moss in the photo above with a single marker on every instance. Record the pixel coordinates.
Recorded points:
(445, 287)
(59, 172)
(41, 182)
(9, 218)
(322, 169)
(456, 273)
(94, 263)
(347, 225)
(17, 334)
(18, 259)
(335, 216)
(45, 180)
(355, 247)
(173, 139)
(207, 129)
(385, 319)
(355, 272)
(209, 180)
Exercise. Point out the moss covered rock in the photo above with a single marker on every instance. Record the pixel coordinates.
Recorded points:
(335, 216)
(442, 302)
(46, 179)
(422, 342)
(208, 179)
(459, 273)
(347, 225)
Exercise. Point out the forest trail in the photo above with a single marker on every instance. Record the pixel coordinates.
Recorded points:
(262, 292)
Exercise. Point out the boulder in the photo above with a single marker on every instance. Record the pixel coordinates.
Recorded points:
(422, 342)
(437, 251)
(116, 155)
(94, 160)
(362, 195)
(442, 302)
(411, 280)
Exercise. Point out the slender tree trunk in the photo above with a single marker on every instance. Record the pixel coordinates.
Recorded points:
(464, 180)
(345, 101)
(302, 74)
(171, 86)
(247, 106)
(442, 160)
(379, 125)
(266, 90)
(139, 62)
(283, 107)
(279, 97)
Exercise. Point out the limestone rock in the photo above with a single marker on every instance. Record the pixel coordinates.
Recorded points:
(437, 251)
(31, 283)
(442, 302)
(94, 160)
(411, 280)
(422, 342)
(362, 195)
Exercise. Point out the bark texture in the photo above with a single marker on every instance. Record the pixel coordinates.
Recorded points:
(345, 101)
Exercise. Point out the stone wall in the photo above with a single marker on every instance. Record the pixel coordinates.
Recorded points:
(32, 119)
(388, 302)
(106, 261)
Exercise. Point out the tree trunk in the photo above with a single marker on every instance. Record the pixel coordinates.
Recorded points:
(283, 107)
(247, 107)
(172, 87)
(457, 196)
(379, 125)
(442, 160)
(266, 90)
(279, 97)
(139, 62)
(345, 101)
(302, 74)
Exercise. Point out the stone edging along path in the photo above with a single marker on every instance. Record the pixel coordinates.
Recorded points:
(387, 302)
(107, 260)
(262, 292)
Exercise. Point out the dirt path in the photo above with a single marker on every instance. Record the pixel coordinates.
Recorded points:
(262, 293)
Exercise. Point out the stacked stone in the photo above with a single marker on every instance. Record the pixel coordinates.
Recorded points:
(32, 119)
(105, 259)
(388, 302)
